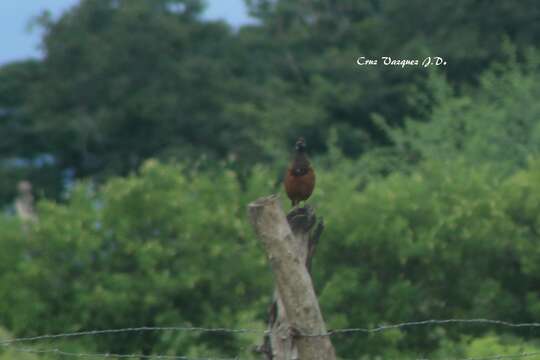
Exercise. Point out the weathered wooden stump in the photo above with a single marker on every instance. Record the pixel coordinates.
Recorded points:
(294, 316)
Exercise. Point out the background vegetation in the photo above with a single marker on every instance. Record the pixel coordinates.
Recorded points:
(145, 132)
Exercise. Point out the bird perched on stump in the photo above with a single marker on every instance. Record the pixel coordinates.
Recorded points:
(300, 177)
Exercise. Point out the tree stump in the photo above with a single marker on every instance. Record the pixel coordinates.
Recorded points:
(290, 242)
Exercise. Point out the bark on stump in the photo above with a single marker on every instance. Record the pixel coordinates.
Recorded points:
(290, 242)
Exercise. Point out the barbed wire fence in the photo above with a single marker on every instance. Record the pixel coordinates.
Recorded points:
(14, 343)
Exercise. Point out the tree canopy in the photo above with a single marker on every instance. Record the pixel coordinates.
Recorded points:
(146, 130)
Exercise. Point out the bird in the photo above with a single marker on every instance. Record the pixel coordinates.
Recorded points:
(299, 180)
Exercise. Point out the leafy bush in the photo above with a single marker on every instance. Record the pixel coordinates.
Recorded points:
(157, 249)
(170, 247)
(447, 241)
(496, 122)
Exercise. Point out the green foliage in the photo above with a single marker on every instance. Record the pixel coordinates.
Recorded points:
(486, 346)
(8, 353)
(127, 69)
(123, 81)
(495, 123)
(493, 345)
(447, 241)
(169, 247)
(317, 43)
(438, 217)
(158, 249)
(19, 139)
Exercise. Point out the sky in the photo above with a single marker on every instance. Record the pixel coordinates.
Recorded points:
(18, 41)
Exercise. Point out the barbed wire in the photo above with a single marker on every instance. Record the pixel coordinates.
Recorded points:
(377, 329)
(130, 329)
(8, 343)
(111, 356)
(63, 353)
(502, 357)
(428, 322)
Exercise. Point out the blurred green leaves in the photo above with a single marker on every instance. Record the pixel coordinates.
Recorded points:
(496, 123)
(160, 248)
(429, 181)
(170, 246)
(123, 81)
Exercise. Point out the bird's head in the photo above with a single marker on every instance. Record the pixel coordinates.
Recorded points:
(300, 145)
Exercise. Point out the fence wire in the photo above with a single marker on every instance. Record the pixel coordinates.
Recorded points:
(430, 322)
(224, 330)
(63, 353)
(130, 329)
(502, 357)
(11, 343)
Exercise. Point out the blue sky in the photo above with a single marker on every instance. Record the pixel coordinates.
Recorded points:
(18, 42)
